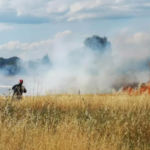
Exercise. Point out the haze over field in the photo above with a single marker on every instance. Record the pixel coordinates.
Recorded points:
(93, 45)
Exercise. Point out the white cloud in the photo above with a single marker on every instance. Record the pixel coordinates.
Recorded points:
(105, 9)
(63, 34)
(70, 10)
(4, 27)
(132, 46)
(59, 46)
(125, 45)
(34, 7)
(78, 6)
(82, 16)
(56, 7)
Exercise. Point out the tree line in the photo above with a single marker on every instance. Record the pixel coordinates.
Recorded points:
(15, 65)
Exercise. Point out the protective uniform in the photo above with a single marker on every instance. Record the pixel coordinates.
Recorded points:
(18, 89)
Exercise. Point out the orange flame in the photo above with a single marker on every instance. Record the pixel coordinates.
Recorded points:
(143, 88)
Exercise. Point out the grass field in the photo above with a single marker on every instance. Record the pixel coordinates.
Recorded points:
(76, 122)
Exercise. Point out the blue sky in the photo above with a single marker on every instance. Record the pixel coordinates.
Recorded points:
(35, 21)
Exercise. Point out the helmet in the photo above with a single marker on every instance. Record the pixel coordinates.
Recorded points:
(21, 81)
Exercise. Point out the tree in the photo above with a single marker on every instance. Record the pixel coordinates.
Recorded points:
(45, 60)
(97, 43)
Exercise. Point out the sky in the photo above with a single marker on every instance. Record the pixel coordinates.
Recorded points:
(30, 29)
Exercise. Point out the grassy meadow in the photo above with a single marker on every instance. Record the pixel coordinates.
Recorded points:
(76, 122)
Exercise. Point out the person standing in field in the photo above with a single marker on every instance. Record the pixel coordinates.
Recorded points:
(18, 90)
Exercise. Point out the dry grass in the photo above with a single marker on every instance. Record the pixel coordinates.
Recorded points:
(76, 122)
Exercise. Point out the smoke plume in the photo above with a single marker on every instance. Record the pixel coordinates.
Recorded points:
(90, 65)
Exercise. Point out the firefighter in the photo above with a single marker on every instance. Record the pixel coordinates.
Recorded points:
(18, 90)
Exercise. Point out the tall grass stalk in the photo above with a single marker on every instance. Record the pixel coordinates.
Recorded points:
(76, 122)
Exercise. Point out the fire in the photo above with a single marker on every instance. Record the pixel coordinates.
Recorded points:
(142, 88)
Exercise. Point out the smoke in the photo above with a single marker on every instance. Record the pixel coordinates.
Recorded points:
(16, 66)
(125, 81)
(90, 64)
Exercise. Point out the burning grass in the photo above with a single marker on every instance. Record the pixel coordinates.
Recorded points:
(80, 122)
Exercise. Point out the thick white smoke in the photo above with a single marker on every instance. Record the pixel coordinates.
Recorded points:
(76, 67)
